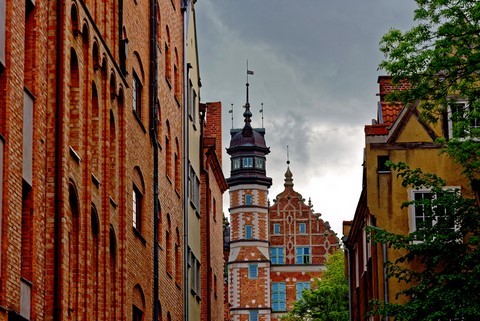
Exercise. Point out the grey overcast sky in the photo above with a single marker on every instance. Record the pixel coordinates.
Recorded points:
(315, 64)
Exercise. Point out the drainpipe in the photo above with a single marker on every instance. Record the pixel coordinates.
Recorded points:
(185, 13)
(58, 293)
(385, 281)
(154, 107)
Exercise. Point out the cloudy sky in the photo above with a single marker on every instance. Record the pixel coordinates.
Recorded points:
(315, 64)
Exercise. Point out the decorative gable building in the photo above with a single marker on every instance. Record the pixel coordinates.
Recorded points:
(275, 251)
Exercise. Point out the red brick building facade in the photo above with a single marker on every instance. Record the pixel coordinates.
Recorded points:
(275, 251)
(91, 147)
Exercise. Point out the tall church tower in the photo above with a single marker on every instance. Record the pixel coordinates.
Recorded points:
(249, 261)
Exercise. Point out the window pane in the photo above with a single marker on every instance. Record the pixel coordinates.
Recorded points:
(252, 271)
(276, 228)
(248, 231)
(248, 199)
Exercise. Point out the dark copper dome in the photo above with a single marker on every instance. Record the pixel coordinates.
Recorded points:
(248, 137)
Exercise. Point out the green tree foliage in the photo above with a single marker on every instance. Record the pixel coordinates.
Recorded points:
(440, 267)
(328, 299)
(440, 57)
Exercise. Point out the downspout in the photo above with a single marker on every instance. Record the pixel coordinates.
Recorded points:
(185, 13)
(385, 280)
(58, 293)
(154, 107)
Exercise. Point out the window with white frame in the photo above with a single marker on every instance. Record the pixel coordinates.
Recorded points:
(277, 255)
(253, 271)
(302, 228)
(302, 255)
(464, 119)
(428, 209)
(276, 228)
(247, 162)
(300, 287)
(279, 296)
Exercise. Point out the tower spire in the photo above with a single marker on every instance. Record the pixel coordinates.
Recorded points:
(288, 173)
(247, 130)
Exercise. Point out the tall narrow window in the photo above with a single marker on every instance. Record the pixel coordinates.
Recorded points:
(178, 266)
(137, 208)
(248, 199)
(168, 241)
(302, 228)
(248, 231)
(279, 296)
(277, 255)
(252, 271)
(136, 96)
(276, 228)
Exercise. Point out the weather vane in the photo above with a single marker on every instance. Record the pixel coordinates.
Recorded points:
(261, 110)
(288, 157)
(231, 112)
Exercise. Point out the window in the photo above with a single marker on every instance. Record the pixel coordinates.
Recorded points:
(253, 315)
(300, 287)
(427, 210)
(136, 96)
(136, 314)
(464, 120)
(235, 163)
(302, 228)
(382, 164)
(247, 162)
(190, 99)
(302, 255)
(248, 199)
(279, 296)
(252, 271)
(137, 208)
(248, 231)
(277, 255)
(194, 274)
(259, 163)
(276, 228)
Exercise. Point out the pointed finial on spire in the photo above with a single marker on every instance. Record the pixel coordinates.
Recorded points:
(288, 173)
(247, 114)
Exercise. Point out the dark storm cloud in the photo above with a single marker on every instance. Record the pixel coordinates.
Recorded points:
(315, 66)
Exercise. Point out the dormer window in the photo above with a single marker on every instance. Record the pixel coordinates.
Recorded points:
(247, 162)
